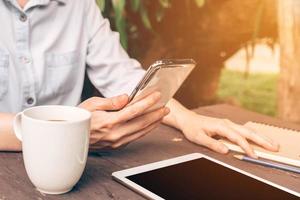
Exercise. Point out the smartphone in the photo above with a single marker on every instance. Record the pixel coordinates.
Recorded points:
(165, 76)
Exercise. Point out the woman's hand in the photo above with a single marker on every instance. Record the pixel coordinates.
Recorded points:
(114, 125)
(8, 139)
(201, 129)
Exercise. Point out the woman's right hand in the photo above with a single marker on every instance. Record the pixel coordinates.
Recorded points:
(114, 125)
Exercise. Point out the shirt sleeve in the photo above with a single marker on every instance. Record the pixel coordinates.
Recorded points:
(110, 69)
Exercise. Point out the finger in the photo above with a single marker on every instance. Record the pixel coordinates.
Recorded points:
(99, 145)
(203, 139)
(144, 121)
(225, 131)
(135, 109)
(100, 120)
(98, 103)
(136, 125)
(136, 136)
(96, 136)
(258, 139)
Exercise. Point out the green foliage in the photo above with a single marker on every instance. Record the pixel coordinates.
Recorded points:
(257, 92)
(145, 17)
(116, 11)
(135, 5)
(101, 4)
(120, 22)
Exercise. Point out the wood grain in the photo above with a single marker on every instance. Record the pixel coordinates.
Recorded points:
(96, 182)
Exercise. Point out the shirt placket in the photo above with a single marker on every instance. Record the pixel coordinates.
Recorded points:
(25, 58)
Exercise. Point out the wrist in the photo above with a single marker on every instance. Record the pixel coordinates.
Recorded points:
(184, 118)
(179, 115)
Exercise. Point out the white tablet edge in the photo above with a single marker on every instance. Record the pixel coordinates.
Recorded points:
(121, 175)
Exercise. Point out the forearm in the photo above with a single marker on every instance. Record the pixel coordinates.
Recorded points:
(8, 140)
(178, 114)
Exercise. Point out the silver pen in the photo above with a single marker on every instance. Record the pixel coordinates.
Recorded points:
(269, 164)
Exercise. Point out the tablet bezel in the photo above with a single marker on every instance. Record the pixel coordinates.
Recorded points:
(121, 176)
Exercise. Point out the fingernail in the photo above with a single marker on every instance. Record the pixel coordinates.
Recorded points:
(224, 149)
(124, 96)
(275, 144)
(157, 95)
(167, 110)
(255, 155)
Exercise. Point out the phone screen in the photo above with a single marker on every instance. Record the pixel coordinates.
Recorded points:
(204, 179)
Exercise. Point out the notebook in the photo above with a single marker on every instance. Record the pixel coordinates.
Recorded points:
(289, 140)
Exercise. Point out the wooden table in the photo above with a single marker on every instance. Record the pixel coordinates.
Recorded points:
(96, 182)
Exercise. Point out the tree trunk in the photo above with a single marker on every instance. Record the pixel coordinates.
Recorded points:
(289, 80)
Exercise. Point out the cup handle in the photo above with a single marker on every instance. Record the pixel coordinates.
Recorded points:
(17, 126)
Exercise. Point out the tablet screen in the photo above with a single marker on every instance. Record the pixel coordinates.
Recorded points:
(204, 179)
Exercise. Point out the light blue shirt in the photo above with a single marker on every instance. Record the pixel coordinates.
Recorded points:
(44, 50)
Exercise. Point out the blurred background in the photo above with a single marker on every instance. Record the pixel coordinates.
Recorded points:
(248, 52)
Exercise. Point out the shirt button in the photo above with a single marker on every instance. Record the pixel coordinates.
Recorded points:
(26, 60)
(23, 17)
(29, 100)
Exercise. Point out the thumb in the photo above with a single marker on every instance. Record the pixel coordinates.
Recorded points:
(117, 102)
(98, 103)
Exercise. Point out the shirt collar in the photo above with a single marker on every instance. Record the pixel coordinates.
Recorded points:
(61, 1)
(33, 3)
(43, 1)
(47, 1)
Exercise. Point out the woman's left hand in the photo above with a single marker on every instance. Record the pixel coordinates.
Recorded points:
(201, 129)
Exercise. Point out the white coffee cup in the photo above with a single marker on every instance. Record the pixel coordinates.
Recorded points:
(54, 152)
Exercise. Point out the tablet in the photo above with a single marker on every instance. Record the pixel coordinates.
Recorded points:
(196, 176)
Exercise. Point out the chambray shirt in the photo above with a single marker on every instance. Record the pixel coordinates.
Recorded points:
(45, 48)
